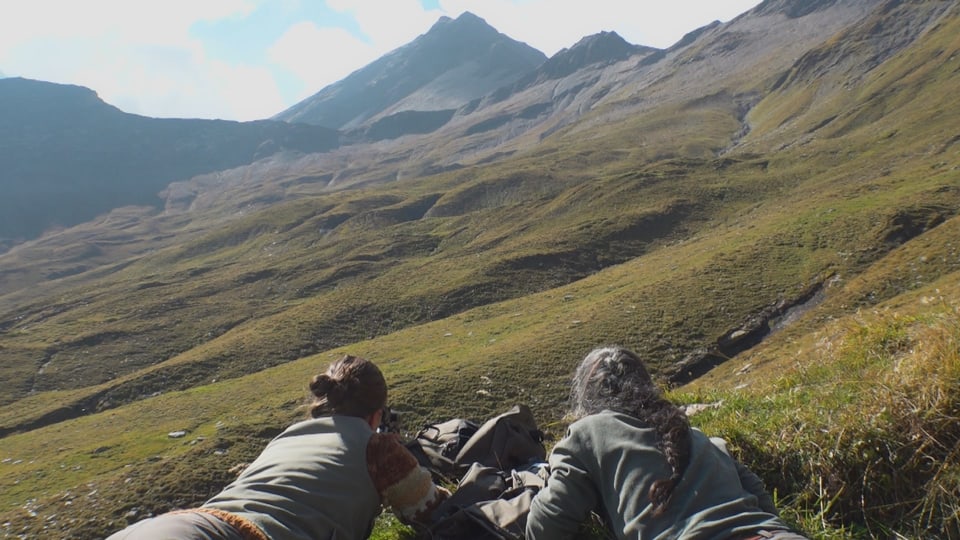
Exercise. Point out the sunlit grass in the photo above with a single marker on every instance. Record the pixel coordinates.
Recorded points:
(862, 429)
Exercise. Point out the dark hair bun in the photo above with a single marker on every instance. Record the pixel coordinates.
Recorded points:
(337, 393)
(333, 391)
(351, 386)
(321, 385)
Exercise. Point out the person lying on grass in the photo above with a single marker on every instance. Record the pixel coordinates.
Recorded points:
(325, 477)
(632, 457)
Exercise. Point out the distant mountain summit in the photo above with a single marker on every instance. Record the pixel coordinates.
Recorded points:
(32, 103)
(456, 61)
(602, 48)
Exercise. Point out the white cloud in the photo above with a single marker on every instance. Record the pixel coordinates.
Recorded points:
(246, 92)
(135, 55)
(388, 23)
(153, 80)
(320, 56)
(135, 22)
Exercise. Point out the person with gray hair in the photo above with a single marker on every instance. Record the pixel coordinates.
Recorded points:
(632, 457)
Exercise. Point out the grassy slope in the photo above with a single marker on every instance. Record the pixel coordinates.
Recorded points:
(757, 227)
(850, 414)
(526, 347)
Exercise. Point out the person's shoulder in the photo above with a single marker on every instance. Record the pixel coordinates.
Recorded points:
(311, 423)
(342, 425)
(606, 423)
(300, 428)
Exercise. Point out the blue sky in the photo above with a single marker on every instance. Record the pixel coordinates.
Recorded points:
(251, 59)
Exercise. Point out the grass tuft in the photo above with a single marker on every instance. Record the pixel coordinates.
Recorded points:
(863, 431)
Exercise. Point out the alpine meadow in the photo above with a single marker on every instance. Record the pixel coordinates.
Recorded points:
(767, 212)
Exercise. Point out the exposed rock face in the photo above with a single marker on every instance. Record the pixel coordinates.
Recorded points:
(793, 8)
(742, 338)
(605, 48)
(456, 61)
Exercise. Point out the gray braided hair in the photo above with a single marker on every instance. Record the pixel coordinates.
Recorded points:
(614, 378)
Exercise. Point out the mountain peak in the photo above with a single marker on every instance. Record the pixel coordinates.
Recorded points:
(603, 47)
(463, 21)
(470, 17)
(603, 39)
(454, 62)
(466, 23)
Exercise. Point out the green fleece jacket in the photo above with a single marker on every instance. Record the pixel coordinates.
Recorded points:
(607, 462)
(310, 482)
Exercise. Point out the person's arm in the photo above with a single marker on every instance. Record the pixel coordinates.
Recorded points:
(752, 483)
(749, 480)
(558, 510)
(404, 486)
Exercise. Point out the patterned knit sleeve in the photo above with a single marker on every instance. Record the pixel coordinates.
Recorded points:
(404, 486)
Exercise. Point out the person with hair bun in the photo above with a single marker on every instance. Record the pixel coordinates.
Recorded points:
(325, 477)
(632, 457)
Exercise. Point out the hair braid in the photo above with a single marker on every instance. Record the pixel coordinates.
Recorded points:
(673, 430)
(614, 378)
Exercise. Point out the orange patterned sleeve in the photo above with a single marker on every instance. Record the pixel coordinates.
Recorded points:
(404, 486)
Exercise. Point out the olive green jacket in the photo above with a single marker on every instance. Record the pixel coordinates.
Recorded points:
(310, 482)
(607, 462)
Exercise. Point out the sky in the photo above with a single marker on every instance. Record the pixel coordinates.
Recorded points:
(252, 59)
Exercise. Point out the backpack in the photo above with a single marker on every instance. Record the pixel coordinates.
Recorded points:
(508, 441)
(498, 467)
(488, 504)
(436, 447)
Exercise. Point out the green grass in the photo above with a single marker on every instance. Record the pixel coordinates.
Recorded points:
(515, 344)
(858, 433)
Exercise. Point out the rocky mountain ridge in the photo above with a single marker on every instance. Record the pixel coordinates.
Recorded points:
(67, 157)
(456, 61)
(109, 159)
(727, 66)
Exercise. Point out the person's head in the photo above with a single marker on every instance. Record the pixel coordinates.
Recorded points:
(351, 386)
(614, 378)
(611, 378)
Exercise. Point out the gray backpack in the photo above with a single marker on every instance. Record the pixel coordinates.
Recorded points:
(498, 467)
(489, 504)
(436, 447)
(508, 441)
